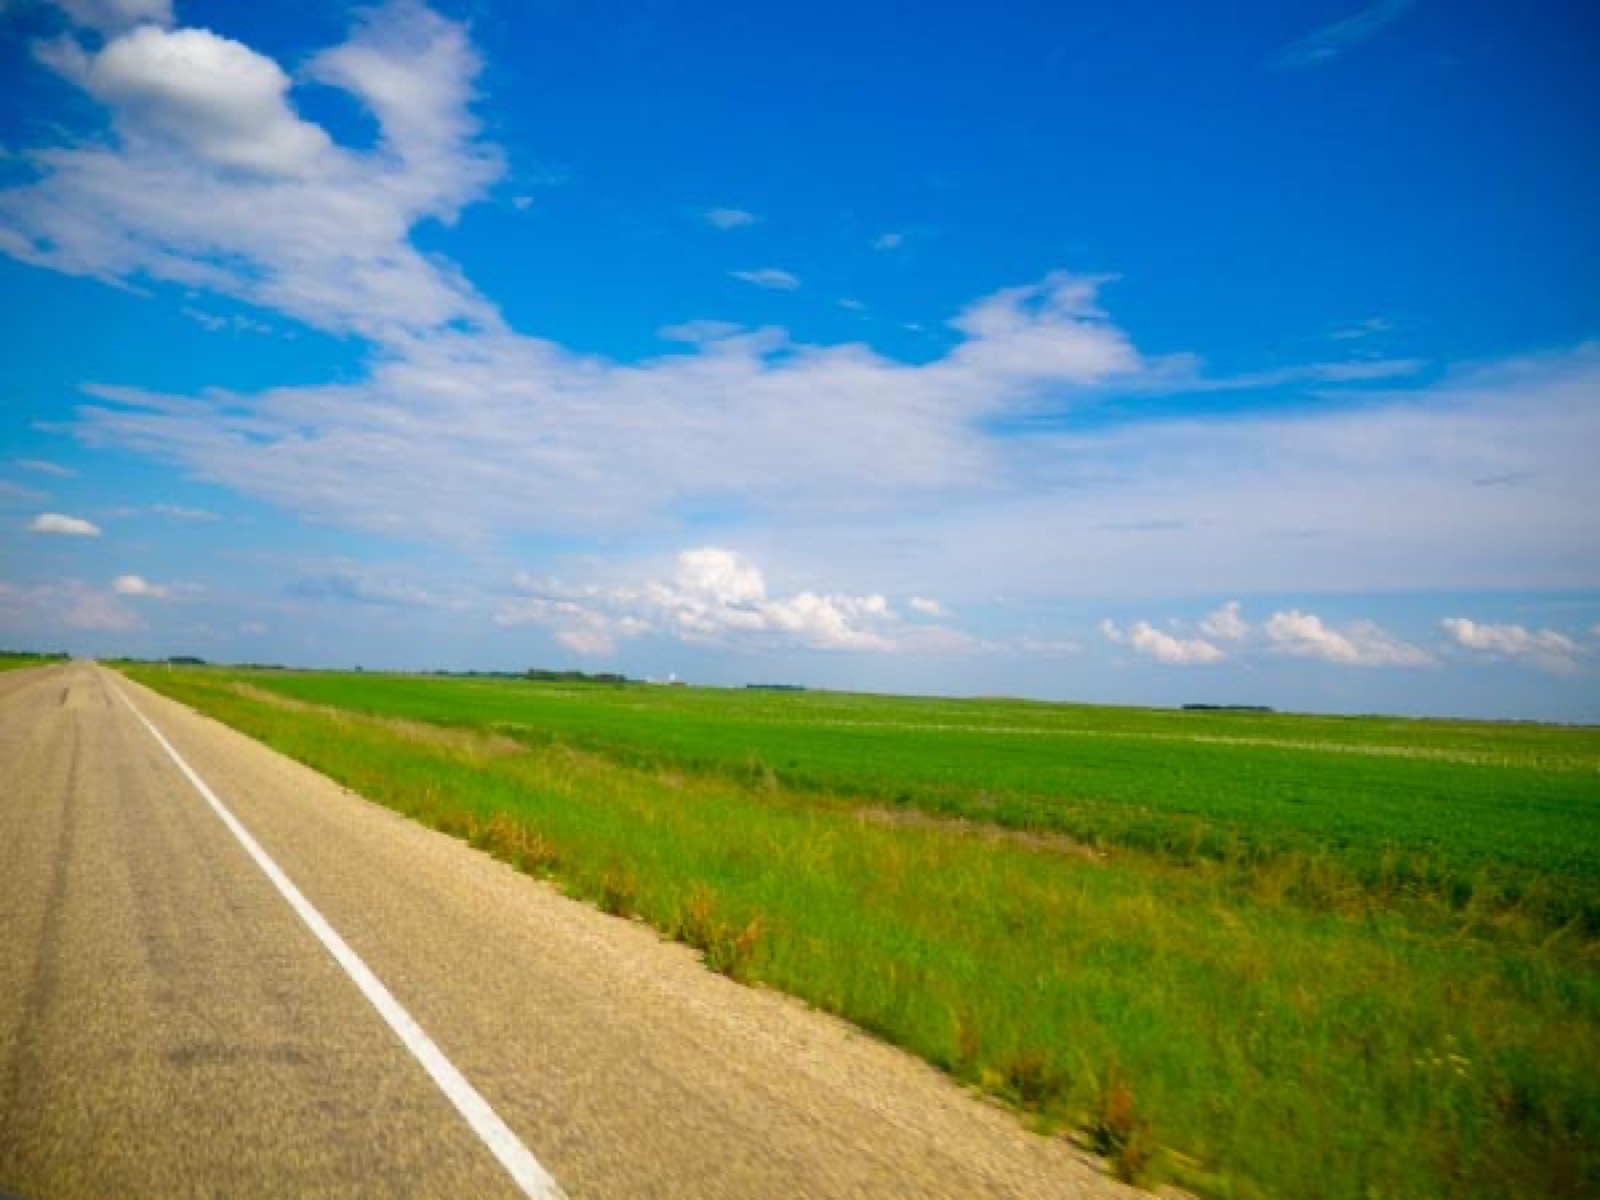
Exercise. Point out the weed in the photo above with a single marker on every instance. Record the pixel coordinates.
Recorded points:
(1121, 1134)
(619, 893)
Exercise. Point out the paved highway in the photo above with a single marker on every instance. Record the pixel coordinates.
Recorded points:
(171, 1025)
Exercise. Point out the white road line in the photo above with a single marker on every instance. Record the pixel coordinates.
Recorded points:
(530, 1176)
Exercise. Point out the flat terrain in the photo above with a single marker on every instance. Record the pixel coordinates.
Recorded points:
(169, 1027)
(1253, 954)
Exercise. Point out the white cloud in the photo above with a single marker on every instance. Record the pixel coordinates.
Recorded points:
(556, 440)
(45, 468)
(1146, 639)
(714, 596)
(728, 218)
(213, 99)
(1358, 644)
(850, 305)
(926, 606)
(888, 241)
(1226, 623)
(213, 181)
(771, 278)
(1545, 648)
(62, 524)
(137, 585)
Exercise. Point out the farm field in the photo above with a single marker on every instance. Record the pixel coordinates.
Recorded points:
(1256, 954)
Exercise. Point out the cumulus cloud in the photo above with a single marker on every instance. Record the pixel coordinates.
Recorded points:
(1545, 648)
(1288, 632)
(138, 585)
(715, 596)
(771, 278)
(1226, 623)
(1151, 642)
(214, 100)
(212, 180)
(65, 525)
(728, 218)
(1358, 644)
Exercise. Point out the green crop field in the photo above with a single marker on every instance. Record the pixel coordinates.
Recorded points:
(1256, 954)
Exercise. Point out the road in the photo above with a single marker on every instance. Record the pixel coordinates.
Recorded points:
(171, 1026)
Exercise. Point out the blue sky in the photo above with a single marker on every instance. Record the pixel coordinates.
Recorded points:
(1083, 352)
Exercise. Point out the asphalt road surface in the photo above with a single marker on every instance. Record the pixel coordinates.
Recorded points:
(171, 1026)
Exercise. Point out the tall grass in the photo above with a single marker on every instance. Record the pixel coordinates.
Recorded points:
(1242, 1044)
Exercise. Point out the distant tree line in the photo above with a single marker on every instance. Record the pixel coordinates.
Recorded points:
(546, 676)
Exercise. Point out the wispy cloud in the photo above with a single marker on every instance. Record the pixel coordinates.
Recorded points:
(1322, 46)
(359, 585)
(1371, 327)
(728, 218)
(889, 241)
(42, 467)
(769, 277)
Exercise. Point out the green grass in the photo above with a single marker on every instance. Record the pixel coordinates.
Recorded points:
(20, 660)
(1457, 814)
(1230, 984)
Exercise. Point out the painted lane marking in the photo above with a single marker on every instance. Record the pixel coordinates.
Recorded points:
(517, 1159)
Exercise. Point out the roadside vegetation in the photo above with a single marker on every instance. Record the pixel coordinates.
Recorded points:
(18, 660)
(1254, 954)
